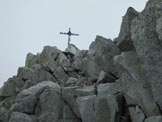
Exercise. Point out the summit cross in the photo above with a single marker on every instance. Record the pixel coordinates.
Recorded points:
(69, 35)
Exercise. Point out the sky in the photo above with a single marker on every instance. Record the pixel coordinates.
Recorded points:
(29, 25)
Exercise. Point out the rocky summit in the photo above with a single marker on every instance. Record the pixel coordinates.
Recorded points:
(116, 80)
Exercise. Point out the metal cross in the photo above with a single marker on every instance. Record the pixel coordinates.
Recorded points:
(69, 35)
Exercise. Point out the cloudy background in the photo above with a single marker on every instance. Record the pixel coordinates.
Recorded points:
(28, 25)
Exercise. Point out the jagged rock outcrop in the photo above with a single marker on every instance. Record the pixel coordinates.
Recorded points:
(124, 41)
(116, 81)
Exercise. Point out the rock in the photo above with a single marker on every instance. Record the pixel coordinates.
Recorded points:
(11, 87)
(99, 57)
(105, 78)
(146, 37)
(81, 81)
(136, 114)
(51, 57)
(32, 60)
(71, 80)
(42, 95)
(85, 91)
(61, 120)
(134, 75)
(21, 117)
(78, 59)
(25, 105)
(71, 94)
(51, 105)
(72, 49)
(39, 75)
(34, 89)
(154, 119)
(124, 41)
(86, 108)
(105, 109)
(61, 76)
(97, 109)
(49, 53)
(68, 115)
(50, 66)
(66, 65)
(7, 102)
(25, 73)
(61, 57)
(108, 89)
(103, 50)
(159, 27)
(90, 68)
(26, 100)
(4, 114)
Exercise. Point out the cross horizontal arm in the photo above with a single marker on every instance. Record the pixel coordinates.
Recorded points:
(63, 33)
(74, 34)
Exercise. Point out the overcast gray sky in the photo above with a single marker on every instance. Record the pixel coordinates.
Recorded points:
(28, 25)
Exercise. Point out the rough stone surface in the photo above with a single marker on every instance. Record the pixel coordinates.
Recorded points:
(11, 87)
(106, 78)
(34, 89)
(136, 114)
(124, 41)
(71, 81)
(108, 88)
(147, 41)
(134, 75)
(154, 119)
(97, 109)
(103, 50)
(51, 105)
(72, 49)
(71, 94)
(31, 60)
(25, 73)
(61, 76)
(20, 117)
(4, 114)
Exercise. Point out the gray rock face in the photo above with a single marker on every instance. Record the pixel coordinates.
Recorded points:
(11, 87)
(71, 94)
(136, 114)
(124, 41)
(39, 75)
(60, 75)
(25, 73)
(106, 78)
(134, 75)
(37, 88)
(99, 57)
(4, 114)
(71, 81)
(51, 105)
(103, 50)
(154, 119)
(72, 49)
(20, 117)
(108, 88)
(146, 37)
(97, 109)
(31, 60)
(49, 53)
